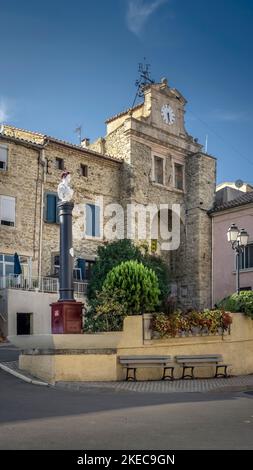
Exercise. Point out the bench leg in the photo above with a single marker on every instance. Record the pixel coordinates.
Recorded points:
(220, 374)
(130, 377)
(168, 377)
(188, 376)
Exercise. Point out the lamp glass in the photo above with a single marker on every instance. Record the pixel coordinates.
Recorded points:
(232, 233)
(243, 237)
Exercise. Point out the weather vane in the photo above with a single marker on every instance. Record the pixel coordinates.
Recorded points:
(143, 80)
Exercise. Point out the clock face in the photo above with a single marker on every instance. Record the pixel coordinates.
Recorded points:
(168, 114)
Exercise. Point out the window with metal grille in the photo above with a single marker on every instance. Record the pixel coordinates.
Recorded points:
(246, 257)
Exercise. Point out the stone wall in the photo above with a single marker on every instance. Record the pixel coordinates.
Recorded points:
(22, 180)
(31, 172)
(95, 357)
(200, 187)
(103, 181)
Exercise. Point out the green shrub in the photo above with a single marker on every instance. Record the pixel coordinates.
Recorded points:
(138, 286)
(109, 256)
(242, 302)
(114, 253)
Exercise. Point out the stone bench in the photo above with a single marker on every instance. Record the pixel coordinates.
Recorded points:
(131, 363)
(190, 362)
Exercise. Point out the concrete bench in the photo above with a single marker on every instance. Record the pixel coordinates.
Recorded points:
(131, 363)
(190, 362)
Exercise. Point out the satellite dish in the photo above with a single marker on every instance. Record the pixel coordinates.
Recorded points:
(239, 183)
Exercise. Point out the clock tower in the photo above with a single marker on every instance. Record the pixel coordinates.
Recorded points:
(164, 165)
(166, 107)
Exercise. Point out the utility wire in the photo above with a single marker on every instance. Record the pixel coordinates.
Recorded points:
(221, 138)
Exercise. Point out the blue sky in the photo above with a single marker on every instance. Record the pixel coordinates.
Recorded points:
(69, 63)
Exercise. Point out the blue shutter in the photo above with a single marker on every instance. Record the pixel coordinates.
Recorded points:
(51, 208)
(81, 265)
(57, 210)
(97, 221)
(92, 220)
(89, 219)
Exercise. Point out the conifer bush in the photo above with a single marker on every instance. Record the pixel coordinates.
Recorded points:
(137, 284)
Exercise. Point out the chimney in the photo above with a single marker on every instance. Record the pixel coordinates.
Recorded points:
(85, 142)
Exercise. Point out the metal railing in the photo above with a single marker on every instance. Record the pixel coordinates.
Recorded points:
(46, 284)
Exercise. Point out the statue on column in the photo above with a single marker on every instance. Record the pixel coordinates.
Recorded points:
(65, 192)
(66, 313)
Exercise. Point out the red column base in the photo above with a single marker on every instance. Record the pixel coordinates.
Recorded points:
(66, 317)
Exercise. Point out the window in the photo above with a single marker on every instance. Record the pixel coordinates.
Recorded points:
(85, 267)
(84, 170)
(179, 176)
(7, 210)
(246, 257)
(92, 228)
(51, 209)
(56, 265)
(59, 164)
(7, 268)
(3, 157)
(24, 323)
(81, 272)
(158, 170)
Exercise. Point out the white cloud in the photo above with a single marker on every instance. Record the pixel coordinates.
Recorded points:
(4, 116)
(138, 12)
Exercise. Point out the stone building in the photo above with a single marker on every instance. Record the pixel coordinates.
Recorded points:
(146, 157)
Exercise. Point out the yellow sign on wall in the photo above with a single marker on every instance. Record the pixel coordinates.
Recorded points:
(153, 246)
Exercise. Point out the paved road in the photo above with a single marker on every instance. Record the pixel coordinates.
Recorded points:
(33, 417)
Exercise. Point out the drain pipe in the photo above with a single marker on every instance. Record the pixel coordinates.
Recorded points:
(43, 180)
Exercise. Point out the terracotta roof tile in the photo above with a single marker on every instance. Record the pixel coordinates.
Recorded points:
(15, 133)
(245, 198)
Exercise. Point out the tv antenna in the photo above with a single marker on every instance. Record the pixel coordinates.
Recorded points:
(143, 80)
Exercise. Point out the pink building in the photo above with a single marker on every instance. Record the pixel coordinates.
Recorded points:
(239, 211)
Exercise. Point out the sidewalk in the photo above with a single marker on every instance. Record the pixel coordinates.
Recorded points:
(231, 384)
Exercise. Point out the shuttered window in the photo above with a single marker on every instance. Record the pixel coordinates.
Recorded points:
(7, 210)
(3, 157)
(85, 267)
(92, 228)
(51, 209)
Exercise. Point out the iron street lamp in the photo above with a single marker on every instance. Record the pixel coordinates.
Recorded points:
(238, 239)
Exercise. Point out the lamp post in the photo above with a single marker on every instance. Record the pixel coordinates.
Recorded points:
(238, 239)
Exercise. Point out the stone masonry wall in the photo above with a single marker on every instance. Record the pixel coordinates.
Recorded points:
(200, 184)
(103, 181)
(22, 180)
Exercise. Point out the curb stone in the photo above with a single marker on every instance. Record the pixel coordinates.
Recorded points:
(22, 376)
